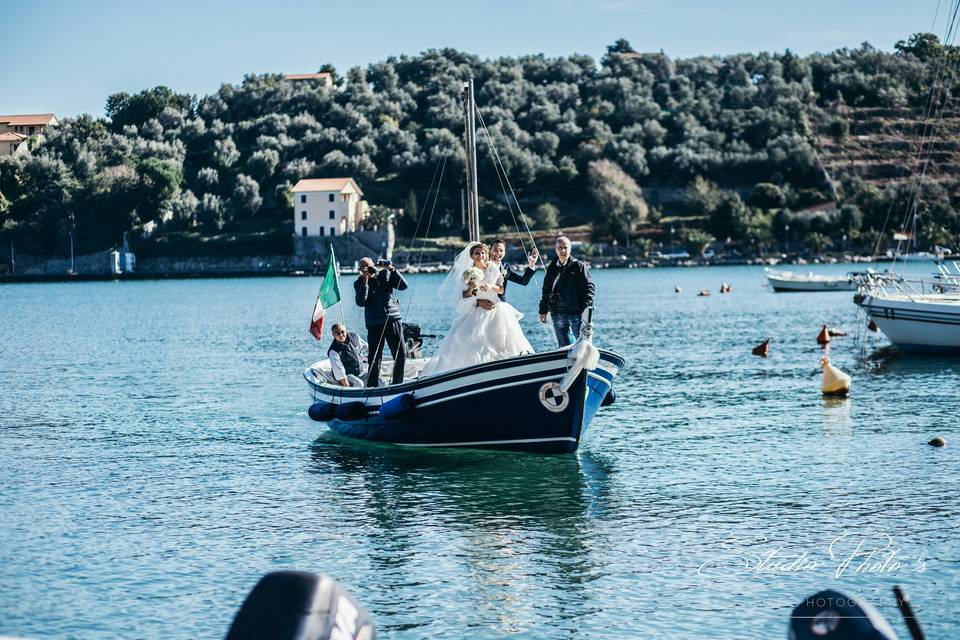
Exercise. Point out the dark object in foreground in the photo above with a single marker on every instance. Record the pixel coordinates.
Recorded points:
(937, 442)
(298, 605)
(903, 603)
(837, 615)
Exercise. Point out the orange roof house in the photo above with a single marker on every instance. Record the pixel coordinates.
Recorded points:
(323, 77)
(15, 129)
(328, 207)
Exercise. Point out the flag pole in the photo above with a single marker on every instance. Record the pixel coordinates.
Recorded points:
(336, 270)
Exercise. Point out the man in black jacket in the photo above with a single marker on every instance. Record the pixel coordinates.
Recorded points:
(381, 314)
(567, 291)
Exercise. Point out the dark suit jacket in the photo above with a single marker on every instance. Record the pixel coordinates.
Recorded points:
(512, 276)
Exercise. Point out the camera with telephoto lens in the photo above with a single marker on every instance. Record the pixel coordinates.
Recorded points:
(383, 263)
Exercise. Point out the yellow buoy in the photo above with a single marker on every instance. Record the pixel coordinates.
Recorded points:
(835, 382)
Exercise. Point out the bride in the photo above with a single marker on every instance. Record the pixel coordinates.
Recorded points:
(477, 335)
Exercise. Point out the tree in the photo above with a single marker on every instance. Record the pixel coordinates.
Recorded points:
(924, 46)
(766, 196)
(696, 241)
(703, 196)
(730, 218)
(621, 204)
(546, 216)
(124, 109)
(246, 196)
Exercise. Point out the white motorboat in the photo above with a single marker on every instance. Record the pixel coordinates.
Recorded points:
(915, 322)
(782, 281)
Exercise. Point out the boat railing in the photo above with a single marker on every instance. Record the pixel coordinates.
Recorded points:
(888, 283)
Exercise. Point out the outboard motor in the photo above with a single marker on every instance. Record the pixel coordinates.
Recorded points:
(298, 605)
(413, 340)
(836, 615)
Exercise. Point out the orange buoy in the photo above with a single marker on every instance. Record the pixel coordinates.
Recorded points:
(823, 338)
(762, 349)
(872, 326)
(703, 293)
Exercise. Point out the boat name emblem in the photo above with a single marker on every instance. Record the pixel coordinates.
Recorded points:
(553, 397)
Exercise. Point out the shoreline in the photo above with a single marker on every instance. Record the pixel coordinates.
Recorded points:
(33, 278)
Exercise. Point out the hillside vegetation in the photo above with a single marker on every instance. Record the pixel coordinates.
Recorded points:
(723, 147)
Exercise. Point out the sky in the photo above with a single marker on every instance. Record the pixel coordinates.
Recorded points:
(66, 56)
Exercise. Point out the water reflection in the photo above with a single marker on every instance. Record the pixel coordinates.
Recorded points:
(517, 523)
(836, 419)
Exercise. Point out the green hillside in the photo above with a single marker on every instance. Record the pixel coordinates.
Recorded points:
(735, 147)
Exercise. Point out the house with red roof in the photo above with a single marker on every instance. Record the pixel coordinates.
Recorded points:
(328, 207)
(16, 129)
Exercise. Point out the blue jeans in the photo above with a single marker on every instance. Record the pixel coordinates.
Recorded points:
(563, 324)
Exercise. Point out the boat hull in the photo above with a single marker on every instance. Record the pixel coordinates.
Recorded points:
(919, 324)
(784, 282)
(513, 404)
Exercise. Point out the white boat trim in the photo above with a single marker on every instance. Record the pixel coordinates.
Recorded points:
(484, 390)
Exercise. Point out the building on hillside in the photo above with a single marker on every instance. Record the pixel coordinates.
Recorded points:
(328, 207)
(15, 130)
(326, 79)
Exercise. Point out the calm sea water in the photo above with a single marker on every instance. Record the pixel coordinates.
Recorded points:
(156, 459)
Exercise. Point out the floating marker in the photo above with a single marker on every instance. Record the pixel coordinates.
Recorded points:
(937, 442)
(677, 289)
(835, 333)
(762, 349)
(704, 293)
(835, 382)
(872, 326)
(726, 287)
(823, 338)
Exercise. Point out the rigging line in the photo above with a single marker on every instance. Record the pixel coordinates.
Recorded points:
(441, 161)
(926, 132)
(381, 343)
(937, 103)
(498, 169)
(423, 243)
(533, 242)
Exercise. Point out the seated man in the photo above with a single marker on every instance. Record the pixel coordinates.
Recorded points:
(348, 356)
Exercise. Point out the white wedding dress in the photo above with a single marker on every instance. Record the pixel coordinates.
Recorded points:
(477, 335)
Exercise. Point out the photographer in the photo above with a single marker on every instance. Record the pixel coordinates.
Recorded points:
(381, 314)
(567, 291)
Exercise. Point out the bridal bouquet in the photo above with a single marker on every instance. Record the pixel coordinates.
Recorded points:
(472, 277)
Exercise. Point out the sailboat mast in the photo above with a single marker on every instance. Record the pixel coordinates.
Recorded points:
(473, 216)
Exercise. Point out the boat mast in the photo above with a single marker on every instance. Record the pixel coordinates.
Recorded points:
(473, 216)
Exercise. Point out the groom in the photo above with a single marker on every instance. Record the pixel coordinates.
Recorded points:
(497, 250)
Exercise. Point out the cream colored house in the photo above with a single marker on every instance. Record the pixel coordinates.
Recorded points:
(328, 207)
(14, 130)
(324, 78)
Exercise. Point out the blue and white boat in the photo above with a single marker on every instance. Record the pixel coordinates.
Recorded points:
(516, 404)
(542, 402)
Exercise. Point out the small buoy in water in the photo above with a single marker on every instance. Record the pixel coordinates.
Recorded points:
(824, 336)
(762, 349)
(937, 442)
(677, 289)
(704, 293)
(872, 326)
(835, 333)
(726, 287)
(835, 382)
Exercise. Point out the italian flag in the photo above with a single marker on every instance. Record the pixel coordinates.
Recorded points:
(329, 296)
